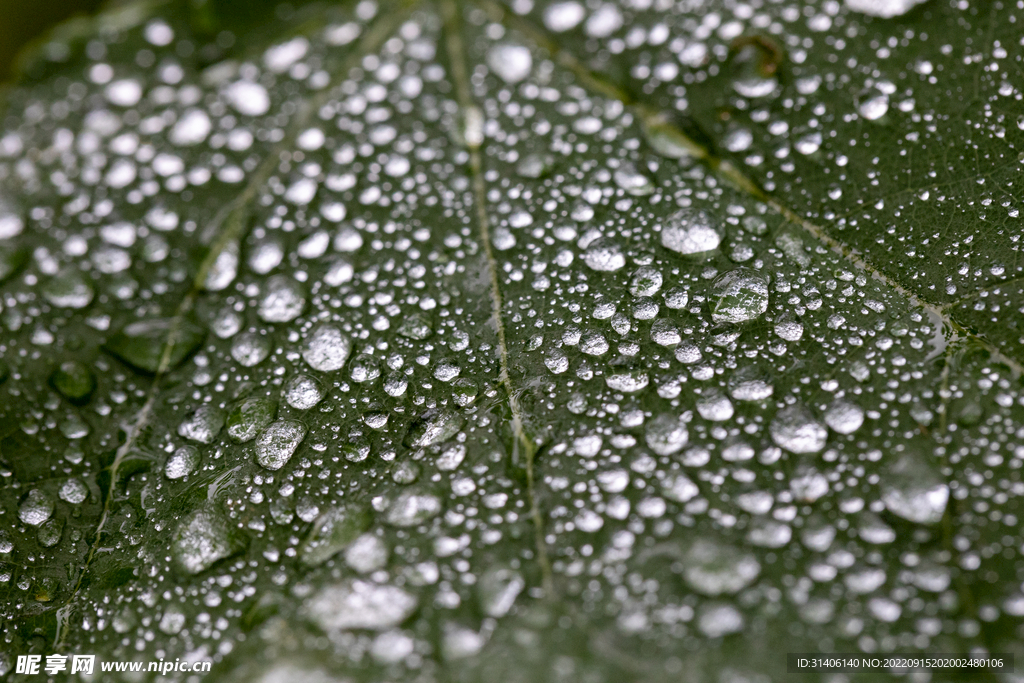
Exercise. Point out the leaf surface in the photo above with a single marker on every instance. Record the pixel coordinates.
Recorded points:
(472, 341)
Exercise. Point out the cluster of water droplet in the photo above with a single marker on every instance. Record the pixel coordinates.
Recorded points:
(733, 425)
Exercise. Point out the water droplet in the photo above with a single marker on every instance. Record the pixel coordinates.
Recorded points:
(332, 532)
(464, 391)
(690, 232)
(283, 300)
(412, 507)
(679, 488)
(224, 269)
(302, 392)
(872, 104)
(367, 554)
(36, 507)
(364, 368)
(358, 604)
(715, 406)
(68, 289)
(688, 353)
(738, 296)
(451, 458)
(203, 425)
(74, 491)
(203, 538)
(50, 533)
(593, 343)
(563, 15)
(633, 181)
(713, 567)
(498, 589)
(172, 621)
(75, 381)
(665, 333)
(604, 255)
(914, 491)
(327, 348)
(250, 349)
(666, 434)
(646, 281)
(797, 430)
(434, 426)
(749, 384)
(882, 8)
(623, 376)
(754, 63)
(191, 129)
(276, 445)
(248, 98)
(510, 62)
(141, 344)
(844, 417)
(249, 417)
(789, 328)
(182, 462)
(416, 327)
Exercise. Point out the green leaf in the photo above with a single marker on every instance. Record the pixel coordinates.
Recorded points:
(466, 341)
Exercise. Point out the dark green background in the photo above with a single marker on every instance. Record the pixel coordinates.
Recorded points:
(22, 21)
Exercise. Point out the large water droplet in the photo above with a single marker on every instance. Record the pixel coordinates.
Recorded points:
(75, 381)
(276, 445)
(434, 426)
(249, 417)
(797, 430)
(412, 507)
(36, 507)
(738, 296)
(203, 425)
(497, 589)
(203, 538)
(68, 289)
(283, 300)
(882, 8)
(182, 462)
(302, 392)
(914, 491)
(690, 232)
(563, 15)
(327, 348)
(332, 532)
(358, 604)
(666, 434)
(511, 63)
(844, 417)
(141, 344)
(749, 384)
(604, 255)
(248, 98)
(713, 567)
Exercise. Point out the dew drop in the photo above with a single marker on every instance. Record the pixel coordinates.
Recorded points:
(690, 232)
(249, 417)
(276, 445)
(511, 63)
(713, 567)
(914, 491)
(666, 435)
(283, 300)
(738, 296)
(203, 538)
(36, 507)
(182, 462)
(604, 255)
(795, 429)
